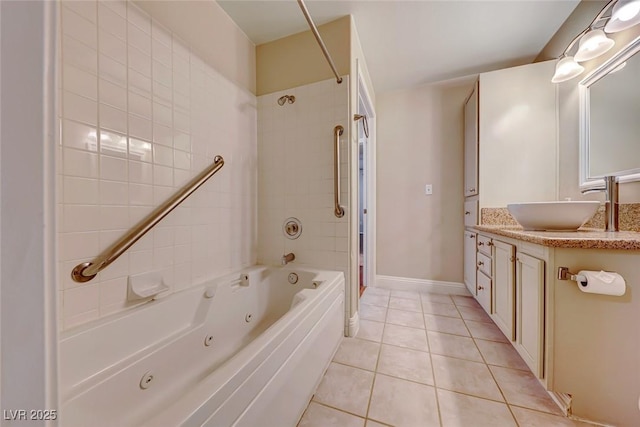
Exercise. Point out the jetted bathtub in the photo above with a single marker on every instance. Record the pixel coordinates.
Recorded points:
(247, 349)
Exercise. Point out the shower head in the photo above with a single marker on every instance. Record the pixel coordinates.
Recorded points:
(286, 98)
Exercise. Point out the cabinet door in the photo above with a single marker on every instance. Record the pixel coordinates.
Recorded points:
(470, 261)
(530, 311)
(471, 144)
(504, 287)
(484, 291)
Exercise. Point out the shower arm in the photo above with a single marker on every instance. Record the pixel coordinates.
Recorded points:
(316, 34)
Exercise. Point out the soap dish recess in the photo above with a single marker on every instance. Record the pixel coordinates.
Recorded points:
(145, 286)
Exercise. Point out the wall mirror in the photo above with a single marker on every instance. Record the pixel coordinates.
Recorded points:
(610, 119)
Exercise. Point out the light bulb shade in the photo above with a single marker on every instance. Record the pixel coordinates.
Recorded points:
(592, 45)
(566, 69)
(625, 14)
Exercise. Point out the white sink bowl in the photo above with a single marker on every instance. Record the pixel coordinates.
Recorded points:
(553, 216)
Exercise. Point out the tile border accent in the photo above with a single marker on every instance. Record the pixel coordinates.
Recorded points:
(420, 285)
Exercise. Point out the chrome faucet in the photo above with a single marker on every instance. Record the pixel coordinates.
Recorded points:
(610, 189)
(286, 259)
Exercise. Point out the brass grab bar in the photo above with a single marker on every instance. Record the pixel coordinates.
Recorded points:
(337, 131)
(88, 270)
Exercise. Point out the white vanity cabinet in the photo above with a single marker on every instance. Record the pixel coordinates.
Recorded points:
(470, 261)
(512, 276)
(530, 280)
(504, 256)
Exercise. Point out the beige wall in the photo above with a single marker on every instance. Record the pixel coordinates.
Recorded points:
(569, 130)
(420, 141)
(212, 34)
(596, 345)
(297, 60)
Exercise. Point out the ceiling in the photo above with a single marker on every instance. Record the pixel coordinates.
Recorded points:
(408, 43)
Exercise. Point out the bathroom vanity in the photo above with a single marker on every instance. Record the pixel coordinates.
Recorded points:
(584, 348)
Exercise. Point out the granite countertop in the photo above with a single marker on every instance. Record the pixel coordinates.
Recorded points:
(584, 238)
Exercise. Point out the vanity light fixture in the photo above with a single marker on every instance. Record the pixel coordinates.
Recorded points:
(566, 69)
(593, 44)
(593, 40)
(625, 14)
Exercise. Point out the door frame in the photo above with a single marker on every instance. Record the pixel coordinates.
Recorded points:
(369, 179)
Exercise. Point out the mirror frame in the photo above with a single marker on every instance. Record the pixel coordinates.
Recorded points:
(585, 182)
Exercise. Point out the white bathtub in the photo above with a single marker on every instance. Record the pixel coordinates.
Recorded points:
(269, 343)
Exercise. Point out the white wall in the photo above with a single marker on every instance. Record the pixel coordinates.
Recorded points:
(295, 175)
(420, 141)
(162, 114)
(27, 311)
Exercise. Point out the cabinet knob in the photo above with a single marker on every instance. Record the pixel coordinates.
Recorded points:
(480, 288)
(471, 190)
(472, 236)
(480, 243)
(490, 243)
(467, 213)
(480, 263)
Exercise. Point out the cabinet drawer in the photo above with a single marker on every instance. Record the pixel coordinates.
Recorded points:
(484, 244)
(484, 291)
(483, 263)
(471, 213)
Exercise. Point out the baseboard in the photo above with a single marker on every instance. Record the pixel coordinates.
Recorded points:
(563, 400)
(421, 285)
(354, 325)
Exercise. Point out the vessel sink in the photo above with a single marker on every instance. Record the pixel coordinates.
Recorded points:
(553, 216)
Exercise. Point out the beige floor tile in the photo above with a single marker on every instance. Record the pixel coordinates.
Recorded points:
(439, 309)
(473, 313)
(370, 330)
(371, 423)
(405, 363)
(529, 418)
(405, 304)
(501, 354)
(358, 353)
(372, 299)
(405, 337)
(345, 388)
(436, 298)
(405, 294)
(485, 331)
(459, 410)
(453, 345)
(448, 325)
(403, 403)
(373, 312)
(521, 388)
(370, 290)
(465, 376)
(318, 415)
(463, 301)
(405, 318)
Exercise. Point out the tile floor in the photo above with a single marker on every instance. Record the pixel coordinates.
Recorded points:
(423, 360)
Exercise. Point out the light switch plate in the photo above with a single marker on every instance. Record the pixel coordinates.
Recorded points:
(428, 189)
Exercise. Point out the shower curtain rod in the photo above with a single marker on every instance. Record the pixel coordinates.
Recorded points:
(315, 32)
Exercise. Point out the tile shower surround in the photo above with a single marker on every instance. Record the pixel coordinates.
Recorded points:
(295, 175)
(141, 114)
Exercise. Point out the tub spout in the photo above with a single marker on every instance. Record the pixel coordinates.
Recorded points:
(286, 259)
